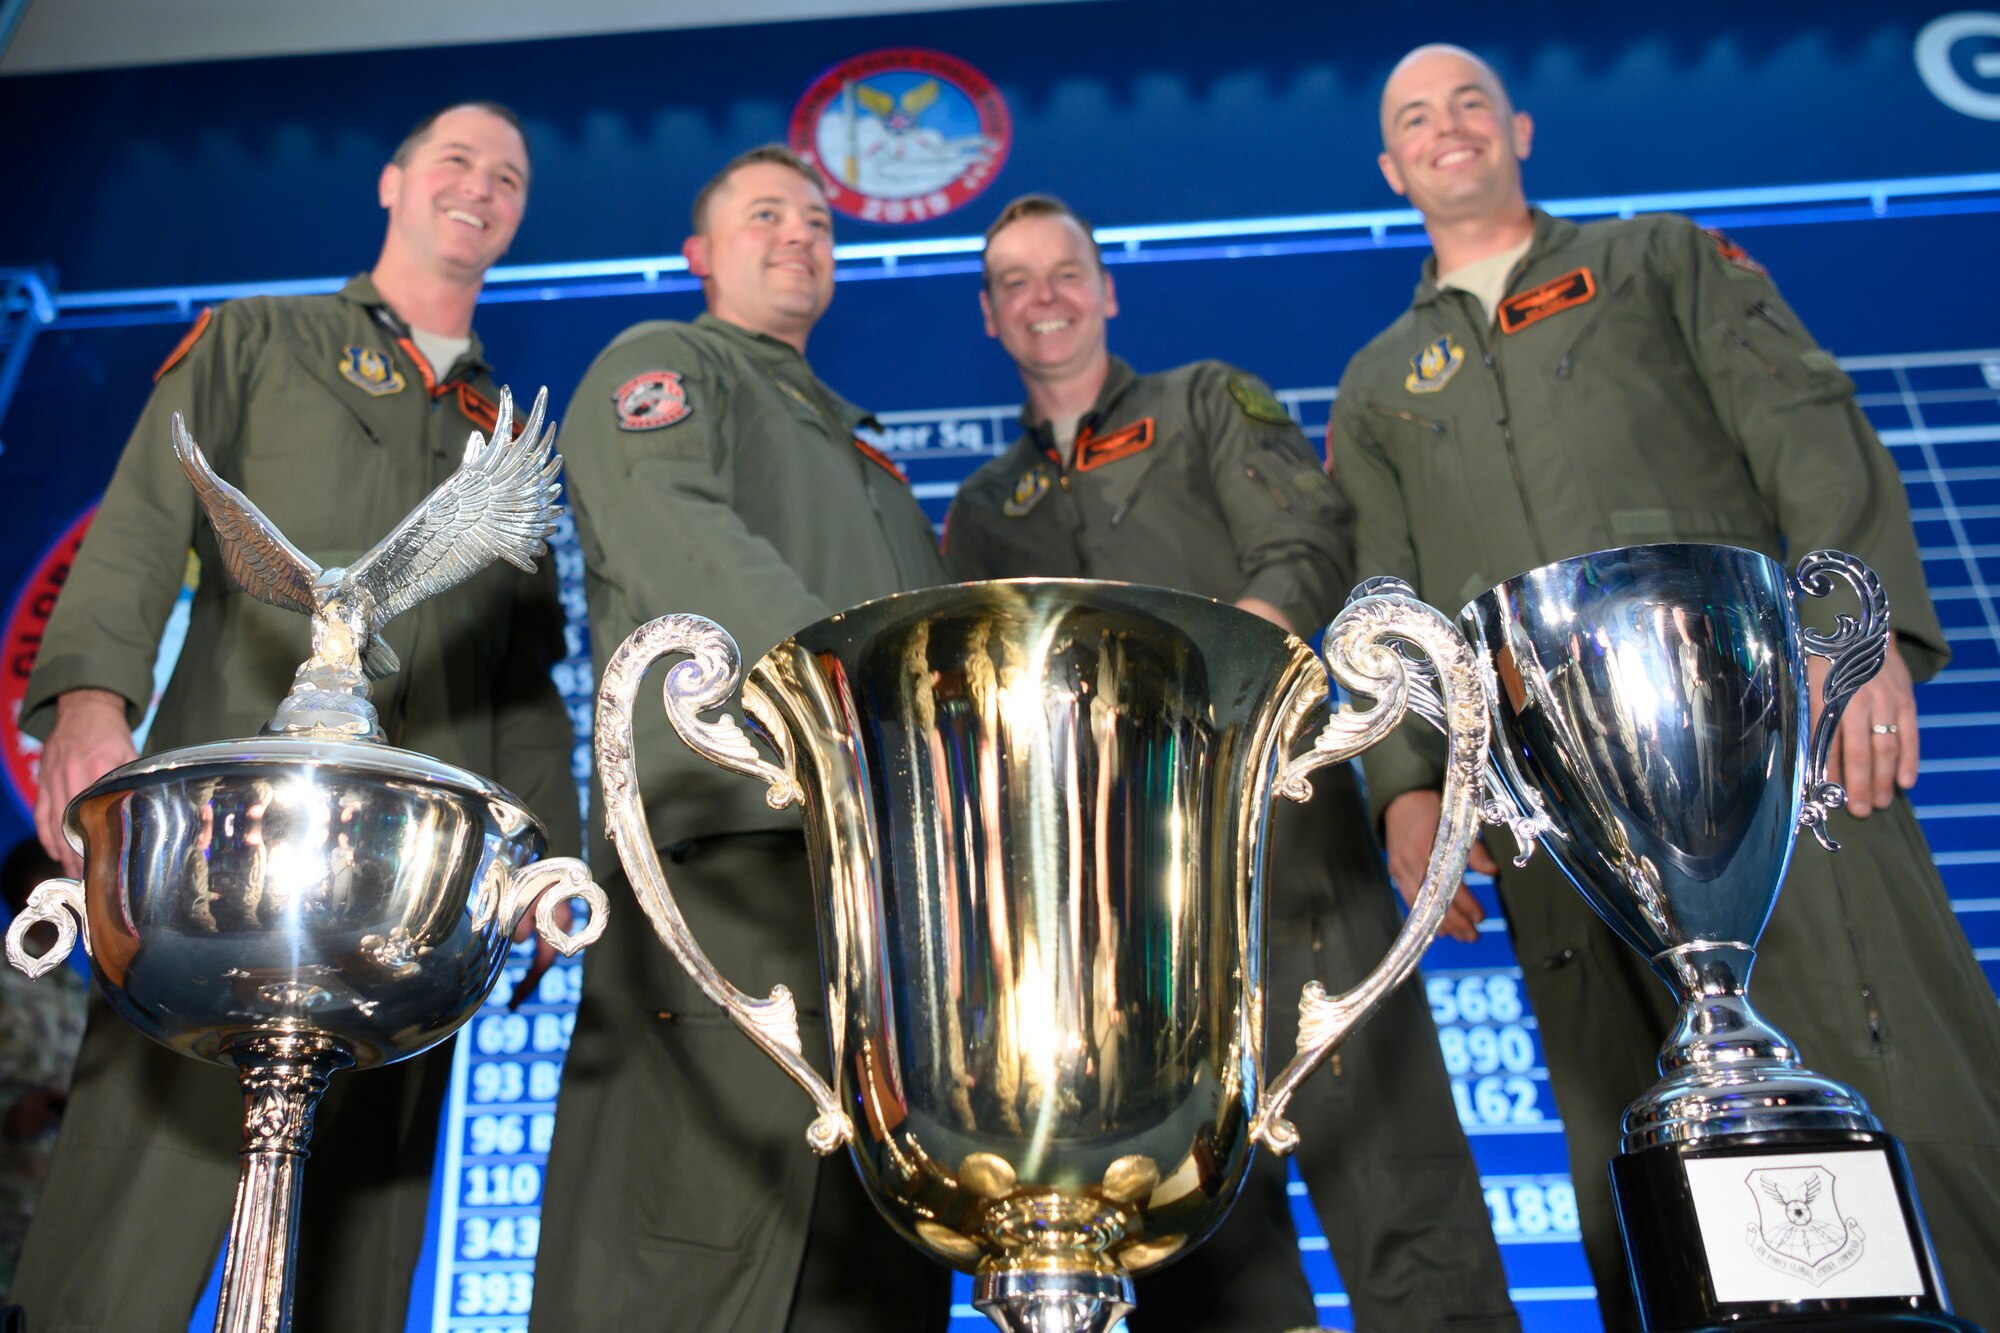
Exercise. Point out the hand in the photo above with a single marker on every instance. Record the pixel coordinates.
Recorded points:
(545, 953)
(1257, 606)
(90, 739)
(1867, 760)
(1409, 831)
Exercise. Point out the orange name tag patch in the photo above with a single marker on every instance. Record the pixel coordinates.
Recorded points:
(483, 412)
(1094, 450)
(1551, 298)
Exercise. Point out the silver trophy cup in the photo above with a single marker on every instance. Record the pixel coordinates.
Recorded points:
(312, 900)
(1651, 731)
(1036, 815)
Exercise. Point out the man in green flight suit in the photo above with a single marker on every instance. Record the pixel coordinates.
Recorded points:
(1556, 389)
(1196, 478)
(713, 473)
(337, 415)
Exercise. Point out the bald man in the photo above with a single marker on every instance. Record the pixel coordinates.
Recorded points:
(1556, 389)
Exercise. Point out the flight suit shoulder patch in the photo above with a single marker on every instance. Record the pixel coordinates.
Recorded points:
(187, 342)
(1734, 255)
(1258, 403)
(1523, 309)
(651, 400)
(1094, 451)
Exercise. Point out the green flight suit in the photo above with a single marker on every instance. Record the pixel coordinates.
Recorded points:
(139, 1195)
(1655, 387)
(1197, 479)
(712, 473)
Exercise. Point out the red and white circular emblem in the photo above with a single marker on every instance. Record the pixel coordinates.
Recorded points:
(650, 400)
(19, 643)
(902, 135)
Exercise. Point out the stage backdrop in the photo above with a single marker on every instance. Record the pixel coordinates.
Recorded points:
(1228, 154)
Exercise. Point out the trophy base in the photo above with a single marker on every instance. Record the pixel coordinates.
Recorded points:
(1778, 1231)
(1033, 1302)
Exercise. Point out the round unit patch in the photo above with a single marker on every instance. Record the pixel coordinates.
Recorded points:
(902, 135)
(650, 400)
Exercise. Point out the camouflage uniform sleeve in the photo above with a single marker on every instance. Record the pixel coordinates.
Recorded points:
(533, 738)
(1410, 758)
(1812, 453)
(105, 631)
(655, 508)
(1291, 528)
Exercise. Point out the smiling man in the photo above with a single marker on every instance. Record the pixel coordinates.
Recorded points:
(713, 473)
(1197, 479)
(1556, 389)
(337, 415)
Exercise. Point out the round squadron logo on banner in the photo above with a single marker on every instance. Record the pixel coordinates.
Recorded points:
(902, 135)
(22, 638)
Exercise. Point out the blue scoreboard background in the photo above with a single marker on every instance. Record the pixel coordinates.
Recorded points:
(1228, 158)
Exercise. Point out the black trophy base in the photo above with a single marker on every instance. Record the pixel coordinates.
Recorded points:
(1718, 1241)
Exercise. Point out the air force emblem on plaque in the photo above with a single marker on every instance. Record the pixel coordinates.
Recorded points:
(369, 371)
(1432, 368)
(1799, 1230)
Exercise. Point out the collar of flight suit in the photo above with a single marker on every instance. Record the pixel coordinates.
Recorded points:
(1118, 377)
(783, 359)
(359, 290)
(1551, 233)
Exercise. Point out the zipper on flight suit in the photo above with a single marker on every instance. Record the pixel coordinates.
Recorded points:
(1492, 364)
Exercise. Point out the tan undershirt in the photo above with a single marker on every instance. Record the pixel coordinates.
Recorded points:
(1064, 432)
(1486, 278)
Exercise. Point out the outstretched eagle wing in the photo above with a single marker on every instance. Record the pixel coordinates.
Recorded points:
(260, 559)
(875, 100)
(499, 505)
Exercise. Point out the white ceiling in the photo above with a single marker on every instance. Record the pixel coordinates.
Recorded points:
(108, 34)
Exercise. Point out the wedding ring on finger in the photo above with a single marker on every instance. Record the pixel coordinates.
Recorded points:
(1883, 729)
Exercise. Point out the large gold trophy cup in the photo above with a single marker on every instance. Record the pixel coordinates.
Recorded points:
(1036, 816)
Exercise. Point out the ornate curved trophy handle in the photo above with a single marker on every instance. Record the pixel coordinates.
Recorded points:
(1854, 653)
(547, 885)
(1498, 805)
(60, 903)
(704, 681)
(1359, 656)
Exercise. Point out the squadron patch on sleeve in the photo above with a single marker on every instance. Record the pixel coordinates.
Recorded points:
(650, 400)
(1028, 490)
(1432, 368)
(370, 371)
(187, 342)
(1733, 254)
(1258, 403)
(1553, 297)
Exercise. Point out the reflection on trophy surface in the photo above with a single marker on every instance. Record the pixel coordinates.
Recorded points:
(1036, 812)
(1650, 727)
(314, 900)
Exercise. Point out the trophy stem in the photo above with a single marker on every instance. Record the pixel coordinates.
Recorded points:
(1726, 1070)
(1053, 1302)
(283, 1076)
